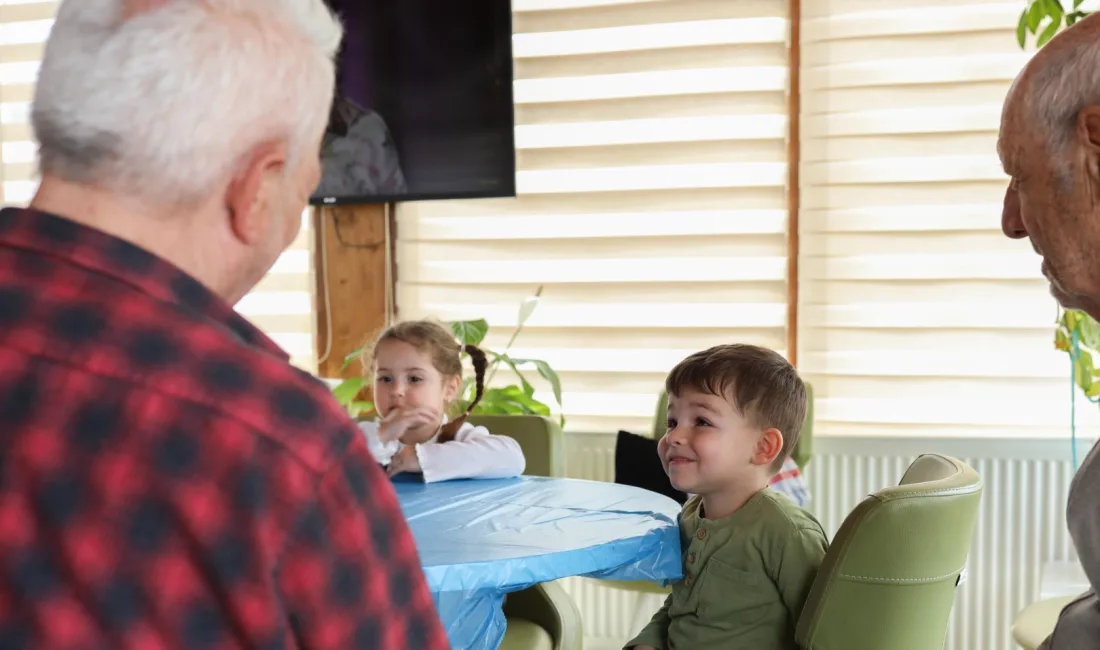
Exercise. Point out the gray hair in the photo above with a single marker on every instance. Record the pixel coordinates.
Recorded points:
(1059, 91)
(162, 105)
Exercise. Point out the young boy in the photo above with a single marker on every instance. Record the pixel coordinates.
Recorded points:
(750, 554)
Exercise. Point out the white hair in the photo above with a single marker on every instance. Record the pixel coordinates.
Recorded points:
(1068, 82)
(163, 104)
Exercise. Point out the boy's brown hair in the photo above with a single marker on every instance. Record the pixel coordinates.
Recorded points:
(763, 386)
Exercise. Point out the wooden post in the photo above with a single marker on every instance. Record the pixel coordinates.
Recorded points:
(794, 105)
(352, 255)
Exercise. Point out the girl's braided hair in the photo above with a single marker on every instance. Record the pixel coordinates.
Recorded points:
(445, 351)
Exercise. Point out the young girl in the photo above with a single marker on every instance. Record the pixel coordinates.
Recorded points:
(417, 373)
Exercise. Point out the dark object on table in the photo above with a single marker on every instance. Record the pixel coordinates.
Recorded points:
(637, 464)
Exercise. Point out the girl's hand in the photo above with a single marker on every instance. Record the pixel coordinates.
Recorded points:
(398, 421)
(405, 460)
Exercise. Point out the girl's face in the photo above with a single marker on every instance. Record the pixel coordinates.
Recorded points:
(404, 378)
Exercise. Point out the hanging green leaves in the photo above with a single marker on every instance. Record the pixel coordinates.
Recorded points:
(1044, 18)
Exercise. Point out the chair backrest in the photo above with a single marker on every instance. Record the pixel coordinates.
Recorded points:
(803, 451)
(889, 577)
(539, 437)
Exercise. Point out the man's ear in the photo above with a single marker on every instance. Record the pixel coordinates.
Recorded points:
(1088, 137)
(248, 197)
(768, 447)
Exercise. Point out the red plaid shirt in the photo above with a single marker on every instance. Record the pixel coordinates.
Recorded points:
(167, 480)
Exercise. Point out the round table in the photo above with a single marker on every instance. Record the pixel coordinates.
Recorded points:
(481, 539)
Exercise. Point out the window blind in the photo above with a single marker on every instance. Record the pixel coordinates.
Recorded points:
(281, 304)
(917, 316)
(651, 149)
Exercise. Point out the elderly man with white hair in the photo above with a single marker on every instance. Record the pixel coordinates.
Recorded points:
(167, 479)
(1050, 147)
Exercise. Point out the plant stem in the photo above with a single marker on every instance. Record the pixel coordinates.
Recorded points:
(519, 328)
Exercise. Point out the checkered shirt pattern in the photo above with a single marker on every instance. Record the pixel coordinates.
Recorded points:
(789, 481)
(168, 480)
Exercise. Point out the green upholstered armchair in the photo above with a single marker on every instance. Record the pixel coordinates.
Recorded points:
(889, 578)
(542, 617)
(1037, 621)
(540, 438)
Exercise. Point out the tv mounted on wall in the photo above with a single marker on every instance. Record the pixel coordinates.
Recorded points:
(423, 106)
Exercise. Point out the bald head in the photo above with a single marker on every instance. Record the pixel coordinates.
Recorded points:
(1061, 80)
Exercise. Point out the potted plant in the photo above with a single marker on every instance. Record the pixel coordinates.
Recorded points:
(510, 399)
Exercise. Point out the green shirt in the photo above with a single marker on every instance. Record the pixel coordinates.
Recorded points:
(746, 578)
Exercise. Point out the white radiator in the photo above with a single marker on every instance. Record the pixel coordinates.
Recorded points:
(1021, 525)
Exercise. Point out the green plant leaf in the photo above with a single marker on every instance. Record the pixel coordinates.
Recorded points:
(1050, 31)
(510, 400)
(1083, 369)
(352, 357)
(518, 396)
(1077, 3)
(549, 375)
(1071, 318)
(1061, 340)
(528, 389)
(347, 390)
(503, 401)
(470, 332)
(1088, 332)
(1021, 29)
(360, 407)
(1035, 15)
(1073, 17)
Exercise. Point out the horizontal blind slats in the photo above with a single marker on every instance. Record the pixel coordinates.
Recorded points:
(651, 173)
(917, 316)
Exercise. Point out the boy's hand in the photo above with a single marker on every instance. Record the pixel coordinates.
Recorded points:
(405, 460)
(398, 421)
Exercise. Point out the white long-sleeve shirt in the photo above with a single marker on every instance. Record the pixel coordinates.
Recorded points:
(474, 453)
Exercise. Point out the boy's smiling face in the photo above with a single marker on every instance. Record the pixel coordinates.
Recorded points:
(710, 447)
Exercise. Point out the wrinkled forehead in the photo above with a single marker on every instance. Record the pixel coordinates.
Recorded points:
(1010, 135)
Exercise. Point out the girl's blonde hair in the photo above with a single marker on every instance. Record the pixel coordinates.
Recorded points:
(436, 339)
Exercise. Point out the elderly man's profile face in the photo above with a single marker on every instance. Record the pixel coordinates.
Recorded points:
(1053, 197)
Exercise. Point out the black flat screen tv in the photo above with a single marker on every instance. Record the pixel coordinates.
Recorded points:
(423, 106)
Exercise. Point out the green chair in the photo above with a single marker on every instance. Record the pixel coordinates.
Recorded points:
(889, 578)
(540, 438)
(1036, 622)
(542, 617)
(644, 589)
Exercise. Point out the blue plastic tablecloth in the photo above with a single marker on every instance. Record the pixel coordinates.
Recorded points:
(479, 540)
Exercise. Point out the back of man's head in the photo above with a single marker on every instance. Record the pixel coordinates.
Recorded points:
(160, 99)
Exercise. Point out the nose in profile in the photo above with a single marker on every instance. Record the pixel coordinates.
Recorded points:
(1012, 223)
